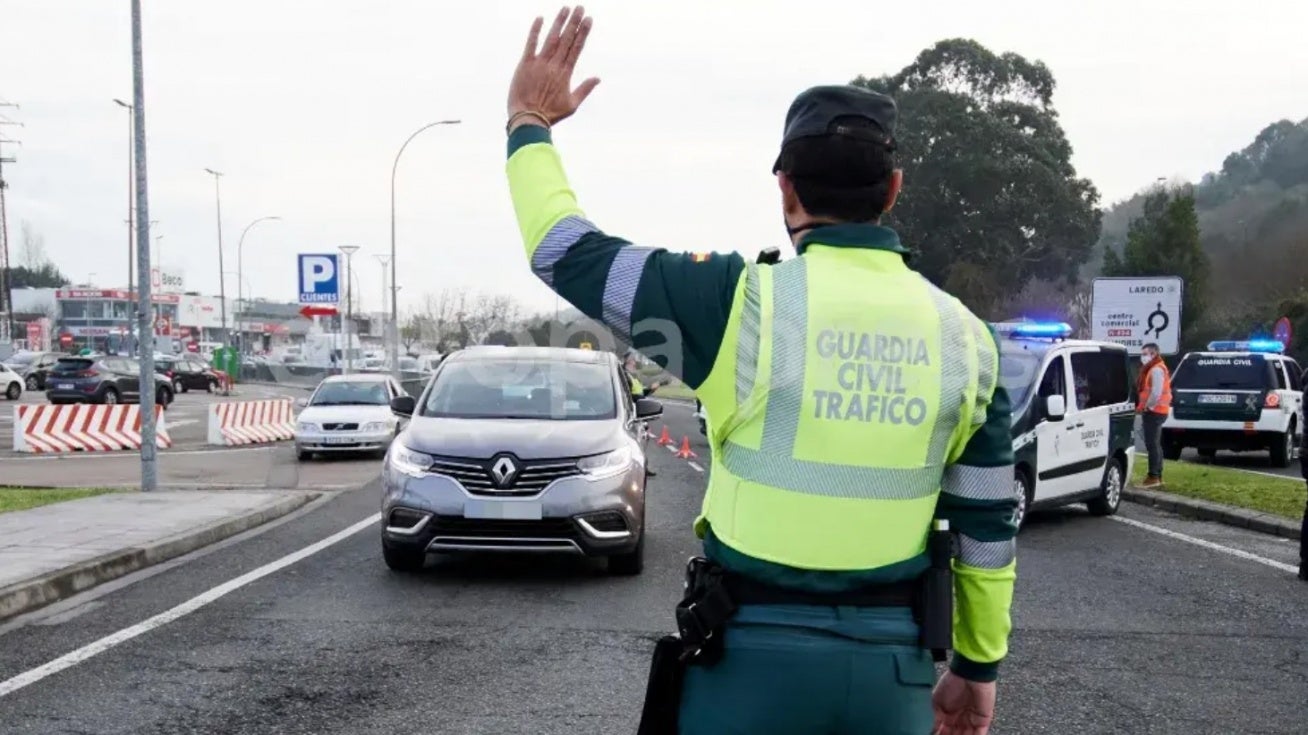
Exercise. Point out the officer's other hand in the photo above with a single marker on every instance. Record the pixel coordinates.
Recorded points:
(963, 707)
(542, 82)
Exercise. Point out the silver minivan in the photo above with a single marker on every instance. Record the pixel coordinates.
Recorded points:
(523, 450)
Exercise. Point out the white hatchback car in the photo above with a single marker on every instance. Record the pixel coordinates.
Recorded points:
(11, 383)
(348, 413)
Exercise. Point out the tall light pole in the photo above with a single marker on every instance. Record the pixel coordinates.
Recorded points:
(385, 260)
(394, 326)
(349, 251)
(222, 282)
(240, 272)
(131, 213)
(149, 452)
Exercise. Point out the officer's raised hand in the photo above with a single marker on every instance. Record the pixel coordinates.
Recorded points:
(541, 90)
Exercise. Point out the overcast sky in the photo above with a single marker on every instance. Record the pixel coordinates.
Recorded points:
(302, 104)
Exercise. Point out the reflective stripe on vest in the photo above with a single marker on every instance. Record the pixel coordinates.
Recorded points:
(779, 310)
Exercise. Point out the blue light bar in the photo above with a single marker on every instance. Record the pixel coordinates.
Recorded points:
(1037, 330)
(1252, 345)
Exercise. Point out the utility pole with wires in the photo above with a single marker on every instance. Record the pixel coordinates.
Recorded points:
(6, 273)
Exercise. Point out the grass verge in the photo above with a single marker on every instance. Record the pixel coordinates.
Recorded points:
(16, 498)
(1282, 497)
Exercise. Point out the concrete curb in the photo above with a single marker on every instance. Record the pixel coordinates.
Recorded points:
(1205, 510)
(31, 594)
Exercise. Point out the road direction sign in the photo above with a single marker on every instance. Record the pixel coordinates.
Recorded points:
(1133, 312)
(309, 312)
(319, 281)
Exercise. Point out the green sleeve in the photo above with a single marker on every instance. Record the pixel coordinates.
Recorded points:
(672, 307)
(977, 499)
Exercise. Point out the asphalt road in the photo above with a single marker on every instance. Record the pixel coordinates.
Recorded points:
(187, 417)
(1119, 629)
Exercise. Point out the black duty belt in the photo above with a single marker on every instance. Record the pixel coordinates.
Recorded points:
(746, 591)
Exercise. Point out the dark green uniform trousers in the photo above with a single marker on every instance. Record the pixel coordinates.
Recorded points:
(796, 670)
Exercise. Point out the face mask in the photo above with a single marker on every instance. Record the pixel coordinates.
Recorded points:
(1146, 359)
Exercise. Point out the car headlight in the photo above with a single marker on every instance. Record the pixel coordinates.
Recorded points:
(606, 465)
(410, 462)
(306, 426)
(377, 426)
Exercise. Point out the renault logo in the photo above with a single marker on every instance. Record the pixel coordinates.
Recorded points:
(504, 471)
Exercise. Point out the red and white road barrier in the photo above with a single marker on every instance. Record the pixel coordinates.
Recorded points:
(48, 429)
(233, 423)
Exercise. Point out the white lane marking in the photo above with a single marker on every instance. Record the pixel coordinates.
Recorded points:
(184, 422)
(74, 658)
(672, 449)
(695, 467)
(1206, 544)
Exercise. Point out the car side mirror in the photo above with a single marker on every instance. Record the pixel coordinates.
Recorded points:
(1055, 408)
(404, 406)
(301, 402)
(648, 408)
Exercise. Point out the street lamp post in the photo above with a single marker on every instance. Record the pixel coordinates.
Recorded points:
(222, 283)
(349, 251)
(394, 326)
(385, 260)
(240, 271)
(131, 214)
(86, 316)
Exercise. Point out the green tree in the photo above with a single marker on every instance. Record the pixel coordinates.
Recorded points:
(1164, 241)
(991, 198)
(47, 275)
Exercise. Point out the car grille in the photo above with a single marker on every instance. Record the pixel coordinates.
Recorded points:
(551, 528)
(340, 427)
(475, 476)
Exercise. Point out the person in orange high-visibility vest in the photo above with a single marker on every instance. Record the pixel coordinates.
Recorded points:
(1154, 388)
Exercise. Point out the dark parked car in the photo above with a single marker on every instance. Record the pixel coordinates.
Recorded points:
(107, 380)
(33, 366)
(188, 373)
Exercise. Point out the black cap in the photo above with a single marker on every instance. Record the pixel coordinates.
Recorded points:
(826, 110)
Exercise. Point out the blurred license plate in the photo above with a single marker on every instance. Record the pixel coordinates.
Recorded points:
(64, 386)
(516, 510)
(339, 440)
(1206, 398)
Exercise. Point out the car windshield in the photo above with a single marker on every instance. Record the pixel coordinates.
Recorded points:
(1232, 372)
(1017, 373)
(522, 389)
(351, 393)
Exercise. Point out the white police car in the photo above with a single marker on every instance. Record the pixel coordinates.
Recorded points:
(1238, 396)
(1073, 417)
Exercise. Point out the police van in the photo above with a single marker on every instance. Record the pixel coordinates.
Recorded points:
(1239, 396)
(1073, 417)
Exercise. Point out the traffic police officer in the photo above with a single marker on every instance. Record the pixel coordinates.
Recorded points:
(852, 402)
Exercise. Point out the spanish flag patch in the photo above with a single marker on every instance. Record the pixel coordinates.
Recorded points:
(700, 257)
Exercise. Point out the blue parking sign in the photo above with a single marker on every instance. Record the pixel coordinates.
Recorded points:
(318, 279)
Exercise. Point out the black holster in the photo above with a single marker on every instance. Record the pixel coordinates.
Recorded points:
(667, 673)
(702, 617)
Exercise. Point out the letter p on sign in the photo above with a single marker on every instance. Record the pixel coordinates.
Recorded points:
(318, 279)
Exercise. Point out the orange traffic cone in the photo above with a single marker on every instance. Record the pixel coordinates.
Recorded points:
(665, 439)
(685, 452)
